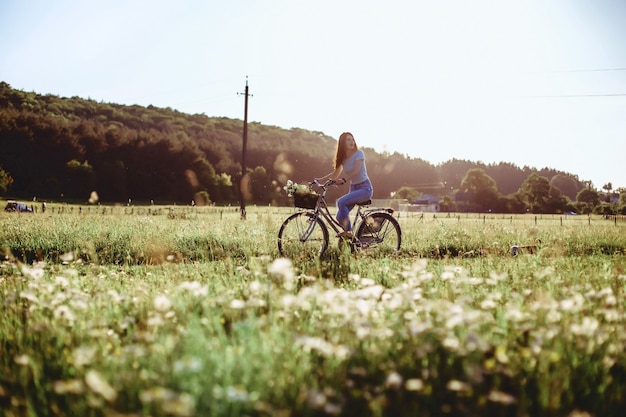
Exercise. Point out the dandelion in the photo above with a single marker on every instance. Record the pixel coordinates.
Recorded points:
(83, 355)
(393, 381)
(553, 316)
(162, 304)
(501, 397)
(573, 304)
(117, 298)
(451, 342)
(33, 273)
(67, 257)
(61, 282)
(587, 328)
(27, 295)
(457, 386)
(79, 304)
(68, 386)
(447, 275)
(414, 384)
(237, 304)
(255, 287)
(96, 383)
(63, 312)
(155, 320)
(22, 360)
(610, 300)
(282, 268)
(367, 282)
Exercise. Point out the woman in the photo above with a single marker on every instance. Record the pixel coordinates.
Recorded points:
(350, 166)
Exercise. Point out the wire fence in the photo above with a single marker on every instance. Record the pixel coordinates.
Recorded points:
(175, 212)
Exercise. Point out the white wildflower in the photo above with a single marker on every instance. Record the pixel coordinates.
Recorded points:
(587, 328)
(96, 383)
(68, 386)
(282, 268)
(63, 312)
(83, 355)
(27, 295)
(414, 384)
(237, 304)
(22, 359)
(501, 397)
(162, 303)
(33, 273)
(67, 257)
(393, 381)
(456, 385)
(61, 281)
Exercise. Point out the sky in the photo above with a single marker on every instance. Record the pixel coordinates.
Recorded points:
(537, 83)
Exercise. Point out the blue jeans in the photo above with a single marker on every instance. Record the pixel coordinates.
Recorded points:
(357, 194)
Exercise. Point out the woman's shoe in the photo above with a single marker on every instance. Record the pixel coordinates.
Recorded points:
(346, 234)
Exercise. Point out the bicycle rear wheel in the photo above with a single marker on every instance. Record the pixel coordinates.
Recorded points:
(302, 235)
(380, 231)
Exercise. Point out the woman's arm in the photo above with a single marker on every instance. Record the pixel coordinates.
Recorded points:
(334, 175)
(357, 168)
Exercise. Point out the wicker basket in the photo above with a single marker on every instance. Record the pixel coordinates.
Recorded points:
(305, 201)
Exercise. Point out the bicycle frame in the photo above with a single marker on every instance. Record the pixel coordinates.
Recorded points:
(321, 209)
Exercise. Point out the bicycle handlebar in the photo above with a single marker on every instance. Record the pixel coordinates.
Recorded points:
(328, 183)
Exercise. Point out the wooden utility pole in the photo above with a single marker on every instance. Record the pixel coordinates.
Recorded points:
(243, 183)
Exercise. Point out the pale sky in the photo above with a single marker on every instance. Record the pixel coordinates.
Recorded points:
(539, 83)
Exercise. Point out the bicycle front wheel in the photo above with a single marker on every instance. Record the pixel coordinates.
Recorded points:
(381, 231)
(302, 235)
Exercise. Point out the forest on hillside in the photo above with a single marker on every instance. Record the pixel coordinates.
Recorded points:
(62, 149)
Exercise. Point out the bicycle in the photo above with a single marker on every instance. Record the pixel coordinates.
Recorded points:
(306, 232)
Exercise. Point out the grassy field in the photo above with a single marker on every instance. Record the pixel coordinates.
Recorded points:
(181, 311)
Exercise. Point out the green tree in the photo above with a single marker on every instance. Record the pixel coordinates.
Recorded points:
(261, 185)
(535, 192)
(407, 193)
(567, 185)
(5, 180)
(608, 187)
(81, 179)
(586, 200)
(482, 186)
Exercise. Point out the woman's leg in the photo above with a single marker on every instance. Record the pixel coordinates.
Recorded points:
(347, 203)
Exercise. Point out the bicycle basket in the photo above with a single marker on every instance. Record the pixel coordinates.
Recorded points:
(305, 201)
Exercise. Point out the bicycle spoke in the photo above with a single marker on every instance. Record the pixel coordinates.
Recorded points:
(379, 231)
(302, 236)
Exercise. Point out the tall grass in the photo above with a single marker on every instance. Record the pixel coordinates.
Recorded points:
(191, 313)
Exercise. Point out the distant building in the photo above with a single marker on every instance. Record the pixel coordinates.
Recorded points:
(426, 203)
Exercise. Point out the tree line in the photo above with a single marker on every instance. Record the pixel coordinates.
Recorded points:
(63, 149)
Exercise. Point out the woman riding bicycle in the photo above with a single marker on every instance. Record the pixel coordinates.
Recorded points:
(350, 166)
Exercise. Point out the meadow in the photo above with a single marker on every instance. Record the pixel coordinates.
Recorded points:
(189, 311)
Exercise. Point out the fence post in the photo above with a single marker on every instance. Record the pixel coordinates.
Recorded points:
(535, 220)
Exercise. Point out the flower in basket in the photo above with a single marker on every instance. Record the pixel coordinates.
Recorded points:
(295, 188)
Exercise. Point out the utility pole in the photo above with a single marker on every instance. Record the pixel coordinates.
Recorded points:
(243, 182)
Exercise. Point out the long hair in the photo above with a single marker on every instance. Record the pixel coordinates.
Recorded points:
(340, 155)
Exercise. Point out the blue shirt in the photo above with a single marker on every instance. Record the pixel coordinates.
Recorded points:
(348, 167)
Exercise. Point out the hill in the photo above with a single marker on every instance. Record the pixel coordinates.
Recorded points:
(62, 149)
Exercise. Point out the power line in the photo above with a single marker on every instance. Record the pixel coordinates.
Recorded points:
(584, 70)
(576, 95)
